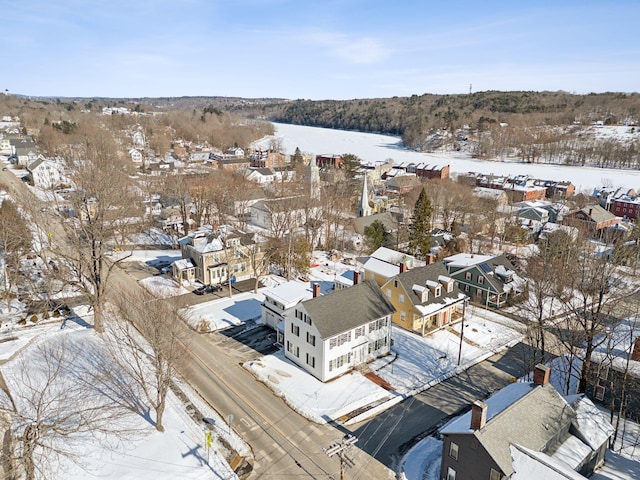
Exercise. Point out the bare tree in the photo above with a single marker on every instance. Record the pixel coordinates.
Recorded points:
(101, 204)
(15, 240)
(59, 406)
(148, 344)
(593, 289)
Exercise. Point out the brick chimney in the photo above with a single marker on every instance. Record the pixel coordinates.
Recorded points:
(316, 290)
(403, 267)
(357, 277)
(635, 354)
(478, 415)
(541, 374)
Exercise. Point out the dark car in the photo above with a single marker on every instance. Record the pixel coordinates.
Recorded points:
(199, 291)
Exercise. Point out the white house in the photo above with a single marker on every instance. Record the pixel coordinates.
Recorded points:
(46, 173)
(136, 155)
(281, 299)
(331, 334)
(278, 213)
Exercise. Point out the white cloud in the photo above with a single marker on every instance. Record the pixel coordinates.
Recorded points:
(351, 49)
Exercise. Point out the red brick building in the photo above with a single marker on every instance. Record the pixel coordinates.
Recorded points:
(626, 207)
(329, 161)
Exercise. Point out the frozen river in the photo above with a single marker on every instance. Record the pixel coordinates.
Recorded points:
(375, 147)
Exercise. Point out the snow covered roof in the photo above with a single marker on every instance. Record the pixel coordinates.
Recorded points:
(184, 264)
(392, 256)
(290, 293)
(531, 465)
(462, 260)
(381, 267)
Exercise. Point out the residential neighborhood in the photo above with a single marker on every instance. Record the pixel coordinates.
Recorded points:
(496, 337)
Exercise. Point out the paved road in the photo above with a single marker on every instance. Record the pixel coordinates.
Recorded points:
(389, 435)
(285, 444)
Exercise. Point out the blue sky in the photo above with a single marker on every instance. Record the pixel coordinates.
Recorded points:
(316, 49)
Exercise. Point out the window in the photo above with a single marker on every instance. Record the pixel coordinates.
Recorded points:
(395, 283)
(403, 316)
(340, 361)
(479, 292)
(295, 330)
(453, 450)
(494, 475)
(388, 293)
(604, 373)
(377, 324)
(467, 288)
(311, 339)
(481, 280)
(468, 276)
(377, 345)
(451, 474)
(359, 332)
(600, 390)
(339, 340)
(401, 298)
(311, 361)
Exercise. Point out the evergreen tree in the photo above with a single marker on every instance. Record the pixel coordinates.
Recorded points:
(420, 229)
(375, 235)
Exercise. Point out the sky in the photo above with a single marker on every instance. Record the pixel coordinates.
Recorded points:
(316, 49)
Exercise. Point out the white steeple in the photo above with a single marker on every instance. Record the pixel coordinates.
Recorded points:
(364, 210)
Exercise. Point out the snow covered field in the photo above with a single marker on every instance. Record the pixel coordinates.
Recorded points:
(224, 312)
(372, 147)
(179, 452)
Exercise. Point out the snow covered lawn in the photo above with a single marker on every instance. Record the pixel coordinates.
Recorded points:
(224, 312)
(144, 453)
(422, 462)
(162, 286)
(317, 401)
(424, 361)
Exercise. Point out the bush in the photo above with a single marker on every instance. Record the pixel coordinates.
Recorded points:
(34, 318)
(22, 321)
(56, 313)
(46, 316)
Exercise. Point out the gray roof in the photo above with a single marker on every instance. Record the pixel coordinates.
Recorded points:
(347, 309)
(386, 218)
(420, 275)
(526, 414)
(597, 213)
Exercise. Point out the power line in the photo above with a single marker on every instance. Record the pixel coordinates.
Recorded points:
(341, 447)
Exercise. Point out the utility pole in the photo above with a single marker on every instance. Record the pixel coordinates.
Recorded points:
(341, 448)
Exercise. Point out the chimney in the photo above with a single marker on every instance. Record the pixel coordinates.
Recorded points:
(478, 414)
(356, 277)
(590, 211)
(541, 374)
(635, 354)
(316, 290)
(403, 267)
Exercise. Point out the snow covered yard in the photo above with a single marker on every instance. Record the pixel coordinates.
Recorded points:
(422, 362)
(162, 286)
(140, 452)
(224, 312)
(416, 364)
(317, 401)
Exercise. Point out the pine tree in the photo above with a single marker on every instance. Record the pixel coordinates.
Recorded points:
(420, 229)
(375, 235)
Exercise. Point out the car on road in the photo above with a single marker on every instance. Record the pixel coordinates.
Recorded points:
(207, 289)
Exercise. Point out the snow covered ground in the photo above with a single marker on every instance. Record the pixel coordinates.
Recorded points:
(422, 461)
(377, 148)
(179, 452)
(224, 312)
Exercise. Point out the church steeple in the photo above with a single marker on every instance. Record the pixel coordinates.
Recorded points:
(364, 210)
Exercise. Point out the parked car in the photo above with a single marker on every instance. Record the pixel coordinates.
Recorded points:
(213, 288)
(200, 291)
